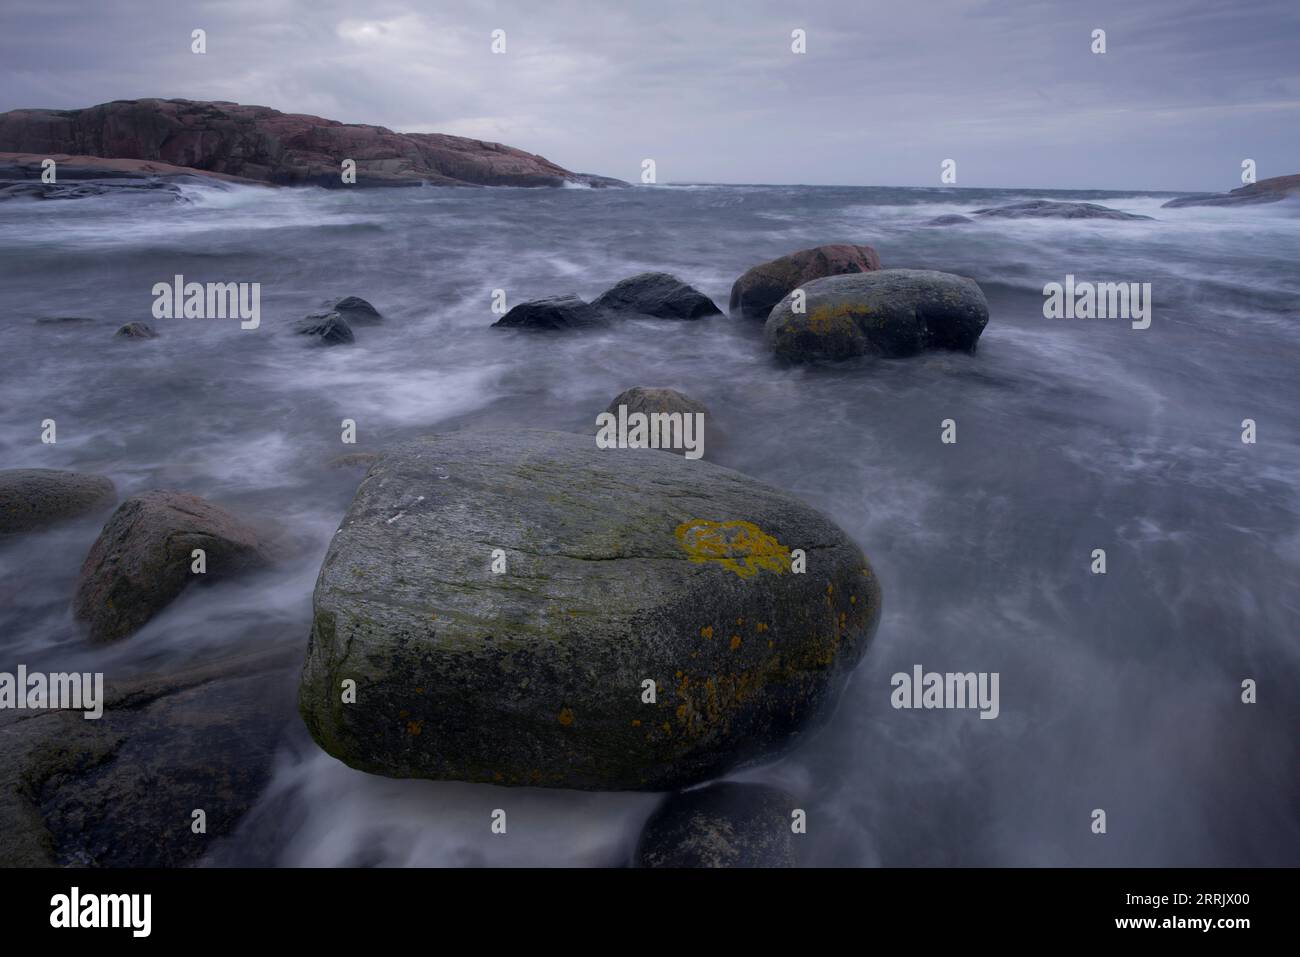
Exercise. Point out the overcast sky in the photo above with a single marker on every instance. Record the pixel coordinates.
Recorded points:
(711, 90)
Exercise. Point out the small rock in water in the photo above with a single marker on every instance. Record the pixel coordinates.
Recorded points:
(32, 499)
(664, 401)
(330, 329)
(721, 825)
(136, 330)
(523, 608)
(951, 219)
(657, 294)
(762, 287)
(893, 312)
(356, 311)
(143, 559)
(553, 313)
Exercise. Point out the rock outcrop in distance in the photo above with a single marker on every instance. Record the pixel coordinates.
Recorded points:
(264, 145)
(1265, 191)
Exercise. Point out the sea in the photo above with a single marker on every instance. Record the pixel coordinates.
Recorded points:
(1120, 691)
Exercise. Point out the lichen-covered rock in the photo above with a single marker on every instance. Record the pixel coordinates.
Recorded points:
(329, 329)
(762, 287)
(31, 499)
(664, 401)
(552, 313)
(143, 559)
(657, 294)
(120, 791)
(721, 825)
(893, 312)
(627, 574)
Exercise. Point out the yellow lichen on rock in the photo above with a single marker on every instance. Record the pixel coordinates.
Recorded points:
(738, 546)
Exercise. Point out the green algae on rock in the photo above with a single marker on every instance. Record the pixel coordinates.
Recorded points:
(650, 629)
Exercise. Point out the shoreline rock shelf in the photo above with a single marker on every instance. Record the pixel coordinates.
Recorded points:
(621, 567)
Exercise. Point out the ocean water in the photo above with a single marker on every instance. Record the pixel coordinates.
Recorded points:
(1118, 691)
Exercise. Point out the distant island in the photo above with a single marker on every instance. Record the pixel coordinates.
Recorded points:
(259, 144)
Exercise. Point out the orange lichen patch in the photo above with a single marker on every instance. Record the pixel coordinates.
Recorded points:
(636, 722)
(706, 631)
(668, 728)
(760, 627)
(740, 547)
(771, 644)
(419, 691)
(414, 727)
(498, 776)
(735, 642)
(566, 716)
(740, 621)
(403, 714)
(679, 674)
(830, 589)
(826, 319)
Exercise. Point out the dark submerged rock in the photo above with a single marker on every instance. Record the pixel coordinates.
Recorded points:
(657, 294)
(721, 825)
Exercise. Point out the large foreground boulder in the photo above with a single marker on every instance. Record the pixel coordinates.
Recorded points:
(893, 312)
(657, 294)
(762, 287)
(722, 825)
(121, 791)
(143, 559)
(32, 499)
(553, 313)
(646, 626)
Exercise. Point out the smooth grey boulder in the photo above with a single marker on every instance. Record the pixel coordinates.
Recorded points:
(553, 313)
(330, 329)
(31, 499)
(660, 401)
(721, 825)
(1051, 209)
(625, 570)
(143, 559)
(657, 294)
(892, 312)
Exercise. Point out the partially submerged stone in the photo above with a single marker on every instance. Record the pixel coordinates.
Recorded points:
(32, 499)
(893, 312)
(722, 825)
